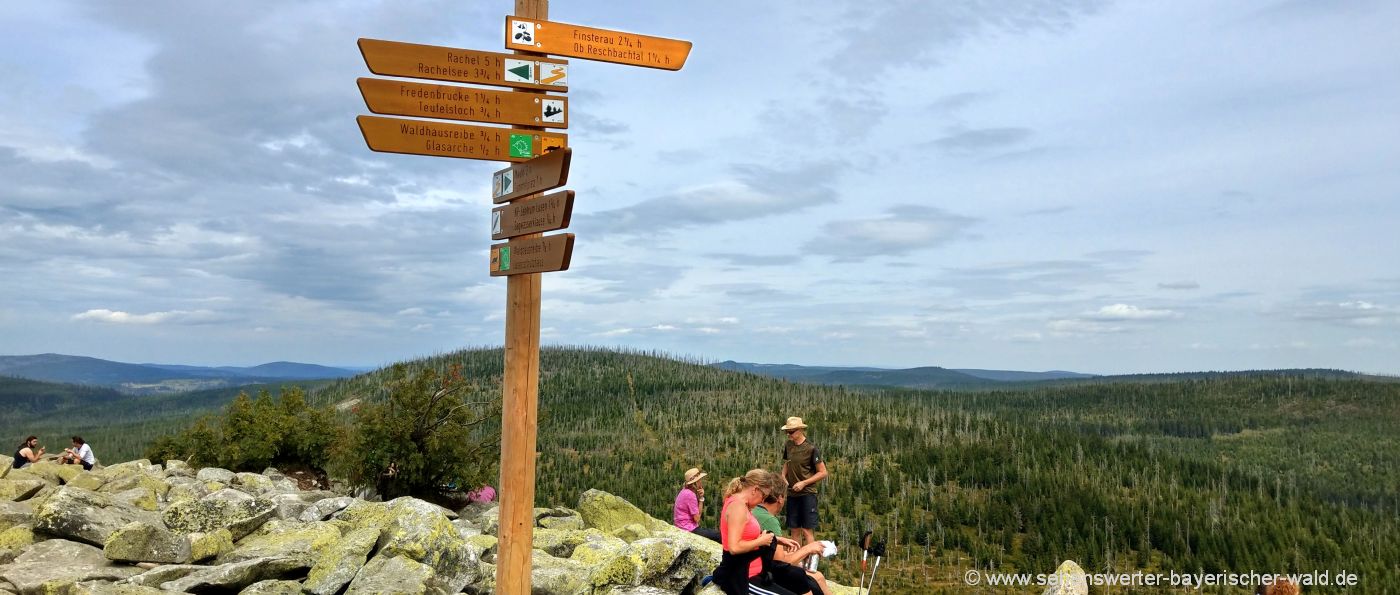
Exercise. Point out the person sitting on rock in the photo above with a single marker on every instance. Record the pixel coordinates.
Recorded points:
(482, 495)
(80, 453)
(786, 566)
(26, 455)
(740, 570)
(690, 504)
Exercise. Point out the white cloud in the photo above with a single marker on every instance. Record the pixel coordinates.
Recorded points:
(1076, 326)
(1128, 312)
(105, 316)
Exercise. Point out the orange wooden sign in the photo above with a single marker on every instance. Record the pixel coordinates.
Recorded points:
(532, 215)
(450, 102)
(576, 41)
(396, 58)
(546, 172)
(440, 139)
(536, 255)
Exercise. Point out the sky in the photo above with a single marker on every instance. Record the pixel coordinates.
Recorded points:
(1031, 184)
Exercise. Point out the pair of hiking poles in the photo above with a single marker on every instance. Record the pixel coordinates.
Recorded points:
(869, 548)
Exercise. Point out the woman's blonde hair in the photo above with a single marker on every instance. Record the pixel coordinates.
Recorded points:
(762, 479)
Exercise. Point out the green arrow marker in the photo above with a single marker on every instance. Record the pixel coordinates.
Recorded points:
(525, 72)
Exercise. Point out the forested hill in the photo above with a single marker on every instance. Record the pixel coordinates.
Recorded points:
(148, 379)
(23, 399)
(1273, 473)
(936, 378)
(120, 426)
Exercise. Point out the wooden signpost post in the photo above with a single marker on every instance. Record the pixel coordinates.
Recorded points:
(542, 161)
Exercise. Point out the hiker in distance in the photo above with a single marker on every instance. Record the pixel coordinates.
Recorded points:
(690, 505)
(803, 468)
(79, 453)
(26, 454)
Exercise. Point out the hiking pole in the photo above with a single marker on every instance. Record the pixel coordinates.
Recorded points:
(864, 553)
(877, 549)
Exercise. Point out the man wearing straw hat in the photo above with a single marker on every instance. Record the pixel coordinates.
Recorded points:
(803, 467)
(690, 502)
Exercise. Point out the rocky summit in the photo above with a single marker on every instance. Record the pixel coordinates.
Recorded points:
(139, 527)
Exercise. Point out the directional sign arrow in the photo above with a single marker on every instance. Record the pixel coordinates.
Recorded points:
(440, 139)
(577, 41)
(396, 58)
(451, 102)
(540, 174)
(532, 215)
(536, 255)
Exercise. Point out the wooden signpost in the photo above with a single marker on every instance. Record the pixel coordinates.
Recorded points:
(542, 161)
(402, 98)
(532, 215)
(436, 139)
(396, 58)
(543, 173)
(541, 254)
(576, 41)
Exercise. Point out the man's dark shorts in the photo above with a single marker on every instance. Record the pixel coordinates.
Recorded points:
(802, 511)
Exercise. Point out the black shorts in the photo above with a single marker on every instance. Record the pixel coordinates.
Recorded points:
(802, 511)
(86, 466)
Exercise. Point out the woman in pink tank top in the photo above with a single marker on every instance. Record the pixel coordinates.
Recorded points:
(742, 538)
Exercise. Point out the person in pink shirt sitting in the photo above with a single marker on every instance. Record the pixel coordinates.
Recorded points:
(482, 495)
(690, 502)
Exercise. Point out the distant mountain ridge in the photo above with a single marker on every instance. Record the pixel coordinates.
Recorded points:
(921, 377)
(156, 378)
(933, 377)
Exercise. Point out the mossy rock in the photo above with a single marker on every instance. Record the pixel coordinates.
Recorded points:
(553, 541)
(88, 480)
(272, 587)
(657, 555)
(338, 565)
(178, 468)
(15, 513)
(106, 588)
(54, 472)
(420, 531)
(240, 513)
(632, 532)
(17, 537)
(612, 564)
(140, 542)
(204, 546)
(22, 474)
(558, 576)
(254, 482)
(140, 497)
(134, 480)
(608, 513)
(399, 575)
(182, 492)
(209, 474)
(283, 539)
(16, 490)
(87, 516)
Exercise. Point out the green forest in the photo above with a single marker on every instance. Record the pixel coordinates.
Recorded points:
(1269, 472)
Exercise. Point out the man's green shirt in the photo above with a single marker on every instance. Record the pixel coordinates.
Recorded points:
(767, 520)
